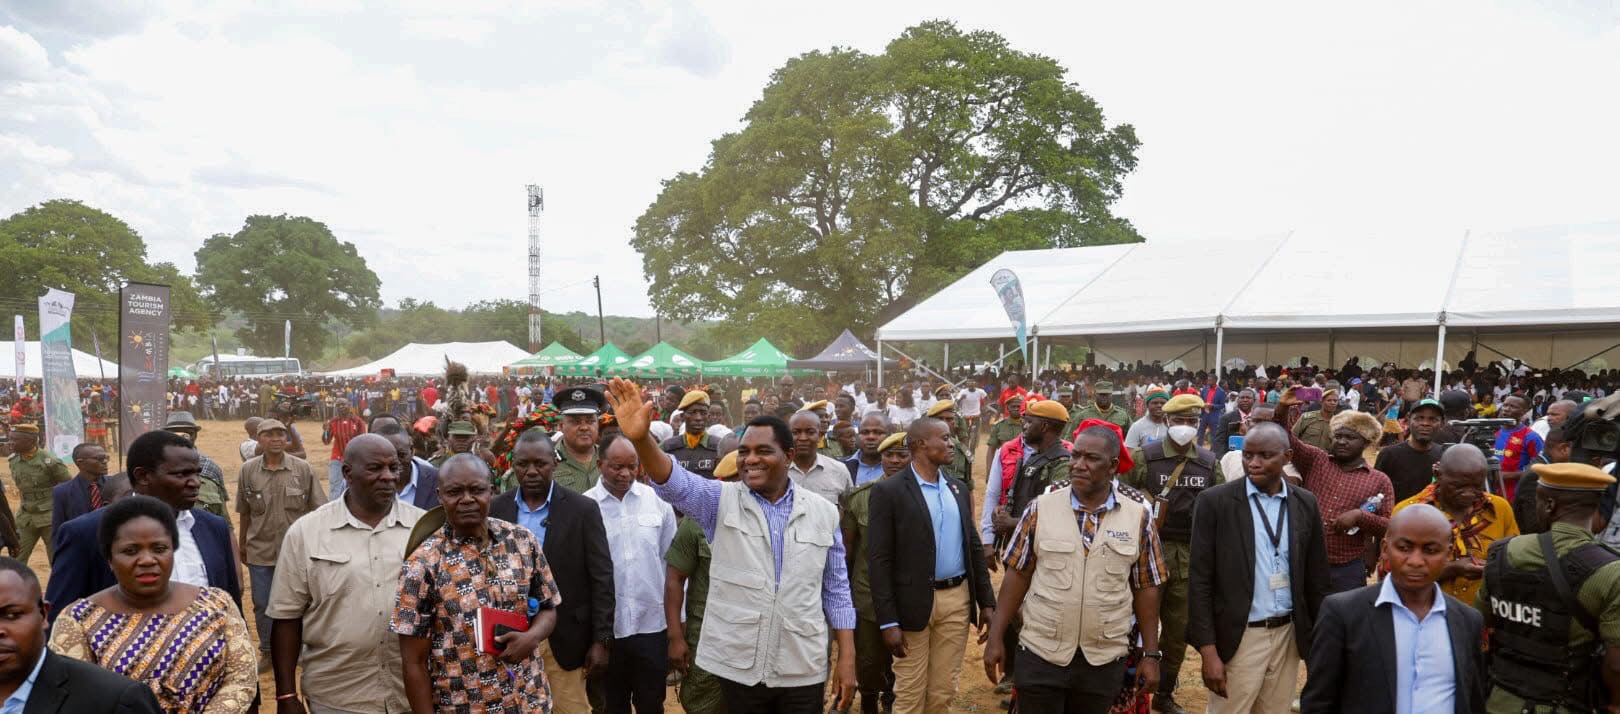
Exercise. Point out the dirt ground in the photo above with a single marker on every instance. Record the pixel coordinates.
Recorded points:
(219, 441)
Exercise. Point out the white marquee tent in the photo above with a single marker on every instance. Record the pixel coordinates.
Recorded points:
(84, 364)
(419, 360)
(1548, 296)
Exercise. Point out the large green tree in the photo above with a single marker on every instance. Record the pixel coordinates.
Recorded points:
(860, 184)
(288, 267)
(67, 245)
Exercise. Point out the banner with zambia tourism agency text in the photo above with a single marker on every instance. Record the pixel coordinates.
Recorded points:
(143, 360)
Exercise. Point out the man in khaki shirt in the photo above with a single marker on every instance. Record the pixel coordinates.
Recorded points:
(334, 591)
(275, 489)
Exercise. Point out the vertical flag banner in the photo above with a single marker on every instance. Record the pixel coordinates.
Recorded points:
(286, 340)
(1012, 298)
(100, 361)
(64, 421)
(19, 338)
(143, 360)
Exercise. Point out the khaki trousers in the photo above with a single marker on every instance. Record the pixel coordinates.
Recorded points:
(925, 679)
(1262, 675)
(567, 686)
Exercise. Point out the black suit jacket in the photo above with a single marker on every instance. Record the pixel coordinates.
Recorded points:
(427, 486)
(1218, 596)
(576, 548)
(900, 550)
(1352, 664)
(79, 571)
(1227, 426)
(68, 686)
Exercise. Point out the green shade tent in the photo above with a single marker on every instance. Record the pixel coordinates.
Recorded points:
(181, 373)
(662, 360)
(605, 361)
(762, 359)
(554, 355)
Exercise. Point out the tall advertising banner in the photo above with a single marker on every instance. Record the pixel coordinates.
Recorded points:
(1012, 298)
(143, 360)
(19, 338)
(64, 421)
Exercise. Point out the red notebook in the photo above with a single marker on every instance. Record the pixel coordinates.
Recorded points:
(492, 622)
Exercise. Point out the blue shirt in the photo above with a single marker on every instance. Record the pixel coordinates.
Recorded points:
(536, 519)
(14, 704)
(1425, 676)
(947, 518)
(1268, 561)
(864, 473)
(407, 492)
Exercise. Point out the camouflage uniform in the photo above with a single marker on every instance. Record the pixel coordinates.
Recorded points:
(35, 476)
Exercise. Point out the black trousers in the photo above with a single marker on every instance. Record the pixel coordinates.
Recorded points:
(637, 666)
(760, 699)
(1080, 688)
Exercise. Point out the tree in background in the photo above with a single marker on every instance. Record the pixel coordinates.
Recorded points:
(481, 321)
(287, 267)
(67, 245)
(861, 184)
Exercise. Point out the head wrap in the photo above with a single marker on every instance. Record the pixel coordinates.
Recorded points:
(1156, 393)
(1126, 463)
(543, 417)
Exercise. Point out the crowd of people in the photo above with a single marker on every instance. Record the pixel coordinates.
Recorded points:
(532, 545)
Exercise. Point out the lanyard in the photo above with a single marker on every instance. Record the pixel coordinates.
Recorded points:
(1282, 520)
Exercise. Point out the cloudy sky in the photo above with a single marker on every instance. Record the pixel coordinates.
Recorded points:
(411, 127)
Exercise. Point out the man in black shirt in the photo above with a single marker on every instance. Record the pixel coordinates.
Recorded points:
(1410, 464)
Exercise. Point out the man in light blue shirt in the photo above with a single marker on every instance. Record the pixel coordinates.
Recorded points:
(866, 464)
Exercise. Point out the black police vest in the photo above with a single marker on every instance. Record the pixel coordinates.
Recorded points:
(700, 459)
(1529, 630)
(1029, 482)
(1197, 475)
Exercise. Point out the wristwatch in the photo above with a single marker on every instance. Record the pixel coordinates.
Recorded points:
(1154, 654)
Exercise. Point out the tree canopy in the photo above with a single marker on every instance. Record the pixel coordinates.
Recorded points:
(67, 245)
(287, 267)
(859, 184)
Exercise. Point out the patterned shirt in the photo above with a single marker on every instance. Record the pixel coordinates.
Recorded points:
(1149, 570)
(1339, 489)
(441, 587)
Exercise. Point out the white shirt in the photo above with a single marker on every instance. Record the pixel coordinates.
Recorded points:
(970, 401)
(900, 418)
(248, 449)
(639, 530)
(188, 561)
(1352, 399)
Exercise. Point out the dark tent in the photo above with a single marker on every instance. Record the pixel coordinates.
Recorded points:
(844, 354)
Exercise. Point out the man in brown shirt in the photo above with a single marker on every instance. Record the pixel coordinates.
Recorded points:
(275, 489)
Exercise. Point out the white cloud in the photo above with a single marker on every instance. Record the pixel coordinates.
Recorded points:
(22, 58)
(24, 149)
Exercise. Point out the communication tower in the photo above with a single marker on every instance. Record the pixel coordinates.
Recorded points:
(537, 203)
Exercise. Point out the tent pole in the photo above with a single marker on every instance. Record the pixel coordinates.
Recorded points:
(1047, 360)
(1032, 354)
(947, 364)
(880, 363)
(1220, 345)
(1439, 354)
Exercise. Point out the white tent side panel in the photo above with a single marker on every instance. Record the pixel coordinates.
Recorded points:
(421, 360)
(1544, 276)
(968, 309)
(84, 364)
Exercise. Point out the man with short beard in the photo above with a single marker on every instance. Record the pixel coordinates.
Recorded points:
(1517, 445)
(1410, 464)
(816, 472)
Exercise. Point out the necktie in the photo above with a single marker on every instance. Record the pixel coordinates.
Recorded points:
(95, 496)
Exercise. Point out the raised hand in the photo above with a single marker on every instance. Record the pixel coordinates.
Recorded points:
(633, 416)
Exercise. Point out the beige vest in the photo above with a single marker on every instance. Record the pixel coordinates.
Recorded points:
(1080, 600)
(756, 630)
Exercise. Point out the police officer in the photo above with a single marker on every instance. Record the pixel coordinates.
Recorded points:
(694, 450)
(36, 471)
(1173, 472)
(1007, 428)
(1103, 408)
(580, 407)
(874, 664)
(961, 463)
(1546, 620)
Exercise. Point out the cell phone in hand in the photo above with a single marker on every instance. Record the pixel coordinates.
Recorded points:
(1308, 394)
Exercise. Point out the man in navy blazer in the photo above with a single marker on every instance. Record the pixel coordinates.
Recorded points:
(419, 485)
(71, 499)
(165, 466)
(1367, 639)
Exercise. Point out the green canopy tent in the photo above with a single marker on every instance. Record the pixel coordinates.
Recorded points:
(607, 360)
(554, 355)
(181, 373)
(762, 359)
(662, 360)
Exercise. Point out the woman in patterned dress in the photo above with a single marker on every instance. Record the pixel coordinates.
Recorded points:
(189, 644)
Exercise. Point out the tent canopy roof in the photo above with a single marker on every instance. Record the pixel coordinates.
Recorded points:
(1317, 279)
(761, 359)
(662, 360)
(85, 366)
(846, 352)
(604, 359)
(423, 360)
(554, 354)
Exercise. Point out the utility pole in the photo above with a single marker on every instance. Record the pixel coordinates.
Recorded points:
(601, 325)
(658, 326)
(537, 203)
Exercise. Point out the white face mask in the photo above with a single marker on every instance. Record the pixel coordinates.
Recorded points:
(1183, 434)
